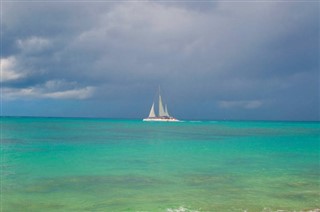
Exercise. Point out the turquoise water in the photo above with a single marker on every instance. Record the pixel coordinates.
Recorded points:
(64, 164)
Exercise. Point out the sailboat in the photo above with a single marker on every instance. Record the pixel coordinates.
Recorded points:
(163, 114)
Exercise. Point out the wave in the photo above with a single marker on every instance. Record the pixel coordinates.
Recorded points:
(180, 209)
(184, 209)
(203, 121)
(280, 210)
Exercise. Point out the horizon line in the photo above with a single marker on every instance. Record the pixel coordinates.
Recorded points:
(127, 118)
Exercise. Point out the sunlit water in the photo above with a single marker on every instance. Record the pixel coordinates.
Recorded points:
(60, 164)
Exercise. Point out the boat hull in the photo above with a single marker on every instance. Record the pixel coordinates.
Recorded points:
(161, 119)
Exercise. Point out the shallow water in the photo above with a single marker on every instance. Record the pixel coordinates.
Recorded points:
(64, 164)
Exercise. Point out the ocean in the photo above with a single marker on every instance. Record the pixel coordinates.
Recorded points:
(84, 164)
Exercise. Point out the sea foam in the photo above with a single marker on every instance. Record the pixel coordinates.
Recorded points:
(181, 209)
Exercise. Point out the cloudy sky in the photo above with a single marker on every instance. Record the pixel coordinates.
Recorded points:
(213, 59)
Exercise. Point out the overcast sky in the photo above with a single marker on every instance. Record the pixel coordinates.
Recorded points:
(213, 60)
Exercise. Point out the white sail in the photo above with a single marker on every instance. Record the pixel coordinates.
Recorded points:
(166, 111)
(161, 110)
(152, 114)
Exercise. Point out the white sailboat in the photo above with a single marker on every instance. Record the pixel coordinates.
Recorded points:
(163, 114)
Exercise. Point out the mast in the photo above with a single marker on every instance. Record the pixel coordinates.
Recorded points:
(152, 114)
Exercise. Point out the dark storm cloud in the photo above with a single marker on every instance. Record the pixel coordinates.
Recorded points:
(214, 59)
